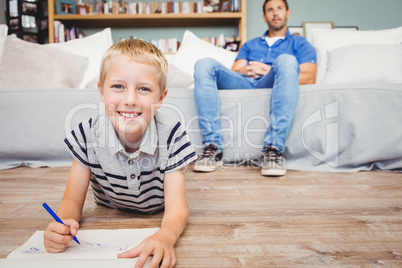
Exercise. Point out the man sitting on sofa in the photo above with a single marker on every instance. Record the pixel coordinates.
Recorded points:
(277, 60)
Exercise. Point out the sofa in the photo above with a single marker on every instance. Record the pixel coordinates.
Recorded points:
(349, 121)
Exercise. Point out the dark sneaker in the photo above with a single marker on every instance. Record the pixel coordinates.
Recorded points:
(209, 160)
(273, 163)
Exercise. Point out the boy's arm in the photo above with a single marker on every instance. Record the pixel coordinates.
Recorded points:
(176, 209)
(74, 195)
(161, 244)
(57, 236)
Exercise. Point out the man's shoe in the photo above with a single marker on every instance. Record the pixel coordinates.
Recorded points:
(273, 163)
(209, 160)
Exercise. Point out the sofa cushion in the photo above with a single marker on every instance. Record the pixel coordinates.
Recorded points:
(176, 78)
(26, 65)
(365, 64)
(3, 34)
(193, 48)
(93, 47)
(327, 40)
(329, 130)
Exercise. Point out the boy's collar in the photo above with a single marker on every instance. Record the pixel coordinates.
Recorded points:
(150, 139)
(148, 144)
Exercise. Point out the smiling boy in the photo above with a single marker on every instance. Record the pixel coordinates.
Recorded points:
(132, 155)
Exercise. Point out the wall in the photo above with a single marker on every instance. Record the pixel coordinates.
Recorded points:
(366, 14)
(2, 10)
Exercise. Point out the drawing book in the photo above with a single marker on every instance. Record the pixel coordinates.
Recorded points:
(95, 247)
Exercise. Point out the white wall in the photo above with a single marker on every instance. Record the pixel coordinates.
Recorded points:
(366, 14)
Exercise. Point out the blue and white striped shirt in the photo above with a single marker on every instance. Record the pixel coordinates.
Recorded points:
(130, 181)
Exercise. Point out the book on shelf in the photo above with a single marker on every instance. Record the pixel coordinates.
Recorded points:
(236, 6)
(166, 45)
(225, 5)
(171, 45)
(63, 34)
(140, 7)
(157, 7)
(222, 5)
(211, 5)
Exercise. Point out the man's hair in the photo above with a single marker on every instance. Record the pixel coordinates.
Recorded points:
(140, 52)
(266, 1)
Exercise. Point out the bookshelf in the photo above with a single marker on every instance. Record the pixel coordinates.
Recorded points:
(28, 19)
(214, 19)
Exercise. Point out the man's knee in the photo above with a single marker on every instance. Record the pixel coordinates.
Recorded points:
(287, 64)
(204, 64)
(286, 60)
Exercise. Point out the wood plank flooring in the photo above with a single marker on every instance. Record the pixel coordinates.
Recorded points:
(239, 218)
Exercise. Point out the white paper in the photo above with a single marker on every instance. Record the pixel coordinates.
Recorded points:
(68, 263)
(94, 245)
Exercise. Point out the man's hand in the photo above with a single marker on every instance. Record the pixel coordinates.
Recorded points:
(160, 245)
(254, 69)
(57, 236)
(257, 69)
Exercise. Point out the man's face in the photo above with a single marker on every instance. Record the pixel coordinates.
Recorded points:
(276, 15)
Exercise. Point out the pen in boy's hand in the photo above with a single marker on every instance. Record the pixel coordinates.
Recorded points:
(51, 212)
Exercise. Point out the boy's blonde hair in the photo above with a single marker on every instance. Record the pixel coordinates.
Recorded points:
(138, 51)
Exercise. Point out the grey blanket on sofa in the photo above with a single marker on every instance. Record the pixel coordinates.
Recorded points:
(336, 127)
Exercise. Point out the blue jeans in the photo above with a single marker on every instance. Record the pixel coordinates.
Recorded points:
(283, 78)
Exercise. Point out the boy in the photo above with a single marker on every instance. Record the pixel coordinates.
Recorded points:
(132, 156)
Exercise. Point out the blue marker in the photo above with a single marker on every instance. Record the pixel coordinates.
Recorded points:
(51, 212)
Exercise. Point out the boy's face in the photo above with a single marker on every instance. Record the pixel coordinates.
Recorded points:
(131, 96)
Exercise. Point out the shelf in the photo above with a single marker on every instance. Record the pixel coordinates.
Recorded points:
(152, 20)
(216, 19)
(27, 20)
(224, 15)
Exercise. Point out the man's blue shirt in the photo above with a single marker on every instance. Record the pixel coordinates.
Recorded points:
(257, 49)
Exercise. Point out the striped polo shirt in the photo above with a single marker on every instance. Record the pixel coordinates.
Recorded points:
(130, 181)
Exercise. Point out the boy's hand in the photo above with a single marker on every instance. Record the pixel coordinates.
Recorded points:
(57, 236)
(160, 245)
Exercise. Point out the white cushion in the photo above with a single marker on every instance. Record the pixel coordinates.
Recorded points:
(176, 78)
(365, 64)
(169, 57)
(26, 65)
(93, 47)
(193, 48)
(3, 35)
(326, 40)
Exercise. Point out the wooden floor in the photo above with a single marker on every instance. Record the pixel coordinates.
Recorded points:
(239, 218)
